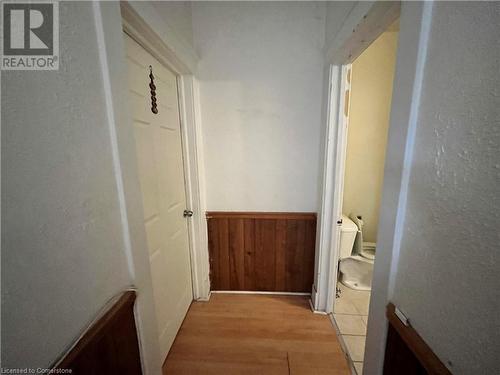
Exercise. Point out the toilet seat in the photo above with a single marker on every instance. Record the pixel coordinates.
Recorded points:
(356, 272)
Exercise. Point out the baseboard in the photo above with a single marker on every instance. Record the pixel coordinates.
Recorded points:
(257, 292)
(311, 305)
(205, 299)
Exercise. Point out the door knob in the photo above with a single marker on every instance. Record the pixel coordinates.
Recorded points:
(187, 213)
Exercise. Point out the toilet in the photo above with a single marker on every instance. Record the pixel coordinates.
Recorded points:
(356, 257)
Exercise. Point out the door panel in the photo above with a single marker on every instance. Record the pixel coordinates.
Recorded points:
(161, 175)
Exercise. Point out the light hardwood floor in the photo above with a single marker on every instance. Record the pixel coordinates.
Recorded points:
(255, 334)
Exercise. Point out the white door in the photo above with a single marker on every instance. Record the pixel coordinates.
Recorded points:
(161, 174)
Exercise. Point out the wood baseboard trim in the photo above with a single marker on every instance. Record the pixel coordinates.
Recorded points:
(261, 215)
(204, 299)
(257, 292)
(311, 305)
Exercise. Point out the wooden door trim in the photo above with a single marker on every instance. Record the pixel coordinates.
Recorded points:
(261, 215)
(416, 344)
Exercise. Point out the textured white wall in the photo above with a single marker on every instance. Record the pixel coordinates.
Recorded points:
(448, 273)
(261, 77)
(62, 244)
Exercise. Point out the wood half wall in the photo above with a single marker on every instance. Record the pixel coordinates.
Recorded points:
(109, 346)
(261, 251)
(406, 352)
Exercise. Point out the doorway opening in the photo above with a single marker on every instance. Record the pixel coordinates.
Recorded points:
(366, 86)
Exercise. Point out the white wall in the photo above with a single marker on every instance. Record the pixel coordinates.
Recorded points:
(177, 14)
(261, 77)
(64, 252)
(371, 94)
(448, 273)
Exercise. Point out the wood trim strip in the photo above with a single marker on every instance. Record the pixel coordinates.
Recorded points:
(416, 344)
(161, 48)
(261, 215)
(111, 343)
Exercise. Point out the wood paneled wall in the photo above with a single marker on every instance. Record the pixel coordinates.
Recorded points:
(406, 352)
(109, 346)
(256, 251)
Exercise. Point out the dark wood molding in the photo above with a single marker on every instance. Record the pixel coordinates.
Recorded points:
(110, 345)
(415, 343)
(262, 215)
(261, 251)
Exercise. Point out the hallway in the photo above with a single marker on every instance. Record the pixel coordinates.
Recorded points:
(155, 152)
(255, 334)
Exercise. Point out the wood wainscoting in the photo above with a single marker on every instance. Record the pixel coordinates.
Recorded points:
(109, 346)
(261, 251)
(406, 352)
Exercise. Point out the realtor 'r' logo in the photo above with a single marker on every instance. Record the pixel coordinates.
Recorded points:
(30, 36)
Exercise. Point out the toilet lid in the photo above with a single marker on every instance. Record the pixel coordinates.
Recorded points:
(356, 274)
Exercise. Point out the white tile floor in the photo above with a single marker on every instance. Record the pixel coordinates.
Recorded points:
(351, 316)
(355, 347)
(350, 324)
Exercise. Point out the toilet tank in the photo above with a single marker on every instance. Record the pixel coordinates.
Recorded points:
(348, 231)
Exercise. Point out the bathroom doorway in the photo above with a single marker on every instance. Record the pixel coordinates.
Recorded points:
(367, 89)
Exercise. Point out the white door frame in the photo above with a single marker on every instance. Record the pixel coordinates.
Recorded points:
(368, 20)
(333, 177)
(343, 110)
(364, 24)
(188, 92)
